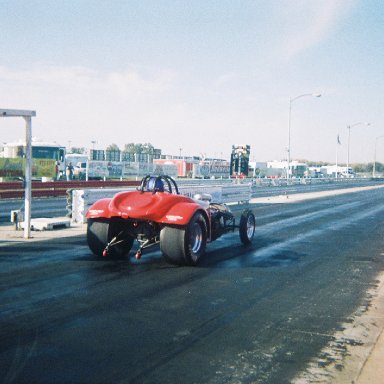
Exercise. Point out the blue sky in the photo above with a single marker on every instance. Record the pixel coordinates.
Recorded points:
(198, 75)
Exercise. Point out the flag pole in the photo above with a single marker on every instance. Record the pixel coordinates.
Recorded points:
(337, 155)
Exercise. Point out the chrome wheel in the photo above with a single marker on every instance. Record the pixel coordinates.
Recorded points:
(196, 238)
(247, 227)
(251, 226)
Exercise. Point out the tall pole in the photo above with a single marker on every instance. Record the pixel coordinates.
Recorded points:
(337, 156)
(349, 139)
(291, 100)
(28, 177)
(374, 161)
(289, 140)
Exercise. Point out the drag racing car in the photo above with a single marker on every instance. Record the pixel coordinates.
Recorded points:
(156, 213)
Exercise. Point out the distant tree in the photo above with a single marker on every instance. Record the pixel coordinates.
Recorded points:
(317, 163)
(379, 167)
(362, 167)
(148, 148)
(130, 148)
(139, 148)
(312, 163)
(78, 150)
(113, 147)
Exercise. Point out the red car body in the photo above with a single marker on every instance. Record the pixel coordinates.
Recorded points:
(165, 207)
(157, 214)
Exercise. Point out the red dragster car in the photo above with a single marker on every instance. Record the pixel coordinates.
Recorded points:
(156, 213)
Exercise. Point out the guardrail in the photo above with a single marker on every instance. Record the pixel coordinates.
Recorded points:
(9, 190)
(267, 182)
(80, 200)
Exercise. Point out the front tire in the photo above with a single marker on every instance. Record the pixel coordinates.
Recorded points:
(186, 245)
(247, 227)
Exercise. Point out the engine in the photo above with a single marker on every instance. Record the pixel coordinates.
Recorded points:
(222, 220)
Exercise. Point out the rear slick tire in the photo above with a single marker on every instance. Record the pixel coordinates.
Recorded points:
(100, 232)
(97, 235)
(185, 245)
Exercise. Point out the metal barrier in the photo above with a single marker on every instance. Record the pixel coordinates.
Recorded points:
(12, 190)
(57, 188)
(82, 199)
(279, 182)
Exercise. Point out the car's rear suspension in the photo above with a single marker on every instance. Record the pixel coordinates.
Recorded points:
(115, 241)
(146, 244)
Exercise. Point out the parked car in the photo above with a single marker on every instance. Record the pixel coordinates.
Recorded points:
(79, 171)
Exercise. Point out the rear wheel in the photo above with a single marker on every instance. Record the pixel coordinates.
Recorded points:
(100, 232)
(247, 227)
(185, 246)
(97, 235)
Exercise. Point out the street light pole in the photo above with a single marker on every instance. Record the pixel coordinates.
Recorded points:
(374, 161)
(291, 100)
(349, 139)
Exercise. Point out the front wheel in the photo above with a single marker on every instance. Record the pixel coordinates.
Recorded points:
(247, 227)
(185, 246)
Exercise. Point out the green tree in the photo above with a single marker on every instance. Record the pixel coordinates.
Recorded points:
(148, 148)
(360, 167)
(139, 148)
(130, 148)
(113, 147)
(78, 150)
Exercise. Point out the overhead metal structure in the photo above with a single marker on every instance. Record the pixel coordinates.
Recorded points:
(27, 116)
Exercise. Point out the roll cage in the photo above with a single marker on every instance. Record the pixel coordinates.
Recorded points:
(162, 183)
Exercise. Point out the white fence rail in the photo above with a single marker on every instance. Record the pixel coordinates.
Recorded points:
(269, 182)
(226, 193)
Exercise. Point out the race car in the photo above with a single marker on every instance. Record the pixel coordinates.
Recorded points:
(156, 213)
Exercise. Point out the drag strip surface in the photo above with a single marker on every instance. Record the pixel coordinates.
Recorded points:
(254, 314)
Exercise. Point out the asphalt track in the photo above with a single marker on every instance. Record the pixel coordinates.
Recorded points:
(256, 314)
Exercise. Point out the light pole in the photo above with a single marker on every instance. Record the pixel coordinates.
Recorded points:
(291, 100)
(92, 157)
(349, 139)
(374, 161)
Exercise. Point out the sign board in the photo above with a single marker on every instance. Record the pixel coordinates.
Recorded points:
(16, 168)
(117, 169)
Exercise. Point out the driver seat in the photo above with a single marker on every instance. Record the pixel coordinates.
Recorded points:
(155, 184)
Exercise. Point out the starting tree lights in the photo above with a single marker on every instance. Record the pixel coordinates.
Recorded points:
(240, 159)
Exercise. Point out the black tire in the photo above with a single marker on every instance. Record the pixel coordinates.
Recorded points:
(185, 245)
(100, 232)
(247, 227)
(97, 235)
